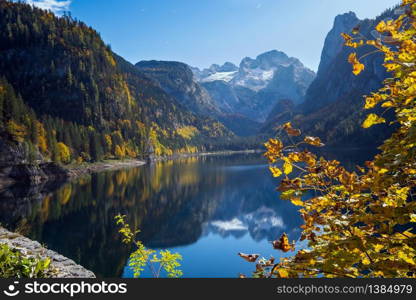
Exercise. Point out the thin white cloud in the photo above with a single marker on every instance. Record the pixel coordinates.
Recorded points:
(56, 6)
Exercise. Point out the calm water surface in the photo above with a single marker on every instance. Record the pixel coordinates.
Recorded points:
(207, 209)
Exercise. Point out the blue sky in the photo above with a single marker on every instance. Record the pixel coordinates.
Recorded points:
(202, 32)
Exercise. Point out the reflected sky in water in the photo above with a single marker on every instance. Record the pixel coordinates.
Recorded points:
(208, 209)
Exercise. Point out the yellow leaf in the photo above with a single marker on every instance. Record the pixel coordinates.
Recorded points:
(354, 44)
(411, 171)
(358, 68)
(283, 244)
(387, 104)
(378, 274)
(283, 273)
(373, 119)
(295, 157)
(290, 130)
(378, 247)
(314, 141)
(406, 258)
(373, 100)
(391, 67)
(356, 65)
(365, 261)
(370, 102)
(346, 37)
(402, 193)
(383, 171)
(287, 167)
(297, 201)
(381, 27)
(275, 171)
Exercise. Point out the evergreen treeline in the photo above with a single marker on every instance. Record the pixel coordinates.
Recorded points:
(69, 97)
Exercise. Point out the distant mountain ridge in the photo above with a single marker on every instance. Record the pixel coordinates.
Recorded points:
(178, 80)
(253, 88)
(239, 97)
(216, 72)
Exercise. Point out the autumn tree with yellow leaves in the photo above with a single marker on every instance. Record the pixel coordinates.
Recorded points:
(357, 223)
(64, 153)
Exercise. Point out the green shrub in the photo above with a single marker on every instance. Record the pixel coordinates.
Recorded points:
(13, 264)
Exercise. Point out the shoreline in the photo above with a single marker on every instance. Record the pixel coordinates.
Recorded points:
(50, 172)
(75, 171)
(202, 154)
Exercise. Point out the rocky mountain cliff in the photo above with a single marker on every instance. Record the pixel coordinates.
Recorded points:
(333, 107)
(333, 41)
(177, 79)
(180, 82)
(335, 78)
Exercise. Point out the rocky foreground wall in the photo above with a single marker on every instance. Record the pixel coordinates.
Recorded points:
(63, 267)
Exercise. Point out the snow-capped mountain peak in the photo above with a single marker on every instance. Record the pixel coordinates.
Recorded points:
(254, 87)
(215, 72)
(254, 74)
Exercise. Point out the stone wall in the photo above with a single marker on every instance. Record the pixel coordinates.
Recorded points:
(65, 268)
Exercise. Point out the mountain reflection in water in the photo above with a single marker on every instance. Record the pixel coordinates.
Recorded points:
(207, 208)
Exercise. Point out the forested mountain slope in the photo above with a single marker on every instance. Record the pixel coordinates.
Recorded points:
(66, 94)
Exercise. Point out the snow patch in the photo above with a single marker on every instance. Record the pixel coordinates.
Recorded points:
(222, 76)
(255, 79)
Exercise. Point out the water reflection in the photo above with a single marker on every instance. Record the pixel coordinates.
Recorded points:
(194, 206)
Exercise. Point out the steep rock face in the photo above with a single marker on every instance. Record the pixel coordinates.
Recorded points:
(258, 84)
(334, 42)
(17, 165)
(284, 85)
(177, 80)
(334, 77)
(333, 107)
(13, 154)
(225, 96)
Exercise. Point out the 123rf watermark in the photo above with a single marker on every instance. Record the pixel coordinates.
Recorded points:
(61, 288)
(366, 289)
